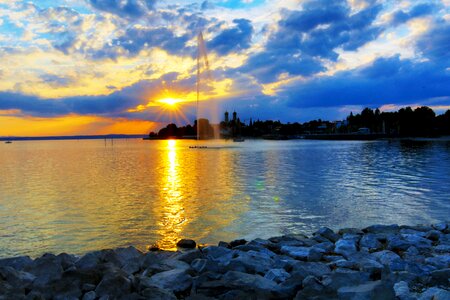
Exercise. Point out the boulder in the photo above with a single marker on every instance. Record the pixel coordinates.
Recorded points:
(88, 261)
(114, 285)
(166, 265)
(302, 253)
(345, 247)
(440, 226)
(344, 277)
(244, 281)
(89, 296)
(46, 269)
(311, 288)
(371, 242)
(236, 243)
(277, 275)
(18, 263)
(187, 244)
(218, 254)
(310, 268)
(177, 280)
(189, 256)
(402, 292)
(252, 261)
(328, 234)
(385, 229)
(435, 293)
(441, 277)
(433, 235)
(371, 290)
(205, 265)
(157, 293)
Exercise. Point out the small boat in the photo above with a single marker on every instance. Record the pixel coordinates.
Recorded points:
(8, 142)
(238, 139)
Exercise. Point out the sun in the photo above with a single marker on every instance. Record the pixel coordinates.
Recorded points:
(170, 101)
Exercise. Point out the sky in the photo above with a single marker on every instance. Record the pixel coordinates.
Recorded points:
(108, 66)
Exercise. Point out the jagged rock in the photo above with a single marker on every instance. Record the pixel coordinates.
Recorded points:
(185, 243)
(128, 254)
(302, 253)
(236, 243)
(89, 296)
(439, 261)
(114, 285)
(385, 229)
(311, 288)
(177, 280)
(328, 234)
(325, 247)
(277, 275)
(310, 268)
(442, 249)
(46, 269)
(88, 261)
(433, 235)
(371, 290)
(87, 287)
(390, 259)
(435, 293)
(441, 276)
(156, 293)
(345, 247)
(66, 260)
(166, 265)
(440, 226)
(244, 281)
(16, 278)
(205, 265)
(18, 263)
(370, 241)
(219, 254)
(189, 256)
(252, 261)
(402, 292)
(223, 244)
(344, 277)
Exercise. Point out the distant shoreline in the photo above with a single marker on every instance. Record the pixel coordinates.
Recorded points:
(72, 137)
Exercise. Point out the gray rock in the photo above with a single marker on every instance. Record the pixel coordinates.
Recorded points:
(16, 278)
(87, 287)
(114, 285)
(244, 281)
(89, 296)
(66, 260)
(440, 226)
(18, 263)
(325, 247)
(441, 277)
(370, 241)
(277, 275)
(328, 234)
(344, 277)
(218, 254)
(177, 280)
(385, 229)
(46, 269)
(402, 292)
(345, 247)
(370, 290)
(185, 243)
(351, 231)
(252, 261)
(156, 293)
(88, 261)
(223, 244)
(128, 254)
(189, 256)
(236, 243)
(302, 253)
(433, 235)
(166, 265)
(435, 293)
(204, 265)
(439, 261)
(311, 287)
(310, 268)
(131, 267)
(442, 249)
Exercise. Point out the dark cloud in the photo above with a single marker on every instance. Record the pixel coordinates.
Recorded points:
(435, 43)
(233, 39)
(386, 80)
(124, 8)
(420, 10)
(307, 36)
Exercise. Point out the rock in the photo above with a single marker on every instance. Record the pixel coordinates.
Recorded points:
(66, 260)
(345, 247)
(435, 293)
(129, 254)
(440, 226)
(252, 261)
(88, 261)
(87, 287)
(131, 267)
(177, 280)
(442, 249)
(441, 277)
(244, 281)
(156, 293)
(218, 254)
(310, 268)
(439, 261)
(302, 253)
(370, 290)
(89, 296)
(16, 278)
(325, 247)
(328, 234)
(402, 292)
(114, 285)
(185, 243)
(277, 275)
(189, 256)
(385, 229)
(433, 235)
(18, 263)
(351, 231)
(344, 277)
(236, 243)
(166, 265)
(370, 241)
(311, 287)
(204, 265)
(46, 269)
(224, 244)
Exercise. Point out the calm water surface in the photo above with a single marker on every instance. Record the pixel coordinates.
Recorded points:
(77, 196)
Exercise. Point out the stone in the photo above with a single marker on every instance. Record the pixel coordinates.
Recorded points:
(277, 275)
(385, 229)
(344, 277)
(16, 278)
(87, 287)
(435, 293)
(114, 285)
(442, 249)
(302, 253)
(218, 254)
(129, 254)
(440, 226)
(189, 256)
(311, 287)
(89, 296)
(186, 243)
(205, 265)
(252, 261)
(46, 270)
(441, 277)
(328, 234)
(88, 261)
(433, 235)
(439, 261)
(402, 292)
(350, 230)
(310, 268)
(166, 265)
(223, 244)
(371, 290)
(237, 243)
(371, 242)
(325, 247)
(244, 281)
(156, 293)
(345, 247)
(18, 263)
(131, 267)
(390, 259)
(178, 280)
(66, 260)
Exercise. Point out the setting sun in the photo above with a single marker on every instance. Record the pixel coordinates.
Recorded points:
(170, 101)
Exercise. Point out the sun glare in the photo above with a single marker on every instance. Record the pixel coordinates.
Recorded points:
(170, 101)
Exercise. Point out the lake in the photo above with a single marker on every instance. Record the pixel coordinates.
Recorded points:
(78, 196)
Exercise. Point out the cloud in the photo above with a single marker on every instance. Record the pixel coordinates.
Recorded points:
(304, 38)
(386, 80)
(124, 8)
(420, 10)
(233, 39)
(435, 44)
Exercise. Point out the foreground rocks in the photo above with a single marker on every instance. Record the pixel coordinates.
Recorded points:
(377, 262)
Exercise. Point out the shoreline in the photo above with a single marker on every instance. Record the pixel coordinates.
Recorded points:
(376, 262)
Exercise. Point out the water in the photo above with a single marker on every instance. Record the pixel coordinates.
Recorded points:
(78, 196)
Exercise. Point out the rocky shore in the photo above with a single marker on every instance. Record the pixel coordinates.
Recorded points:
(377, 262)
